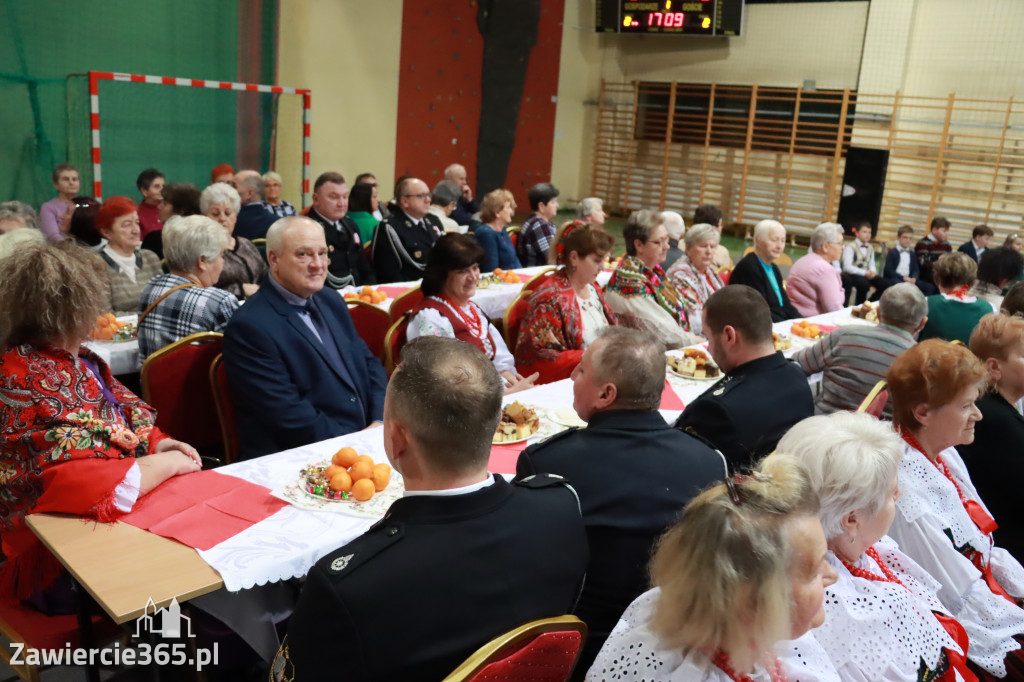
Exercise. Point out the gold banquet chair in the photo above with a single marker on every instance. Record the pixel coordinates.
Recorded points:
(874, 402)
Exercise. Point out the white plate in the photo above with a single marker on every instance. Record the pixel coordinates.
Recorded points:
(513, 442)
(566, 416)
(686, 376)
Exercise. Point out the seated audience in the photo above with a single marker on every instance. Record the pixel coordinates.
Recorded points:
(567, 311)
(225, 173)
(741, 571)
(244, 267)
(380, 212)
(942, 523)
(632, 471)
(442, 204)
(151, 185)
(993, 457)
(473, 555)
(83, 223)
(496, 211)
(13, 240)
(901, 261)
(712, 215)
(185, 301)
(449, 284)
(1014, 241)
(403, 240)
(859, 270)
(590, 211)
(953, 312)
(253, 220)
(292, 352)
(694, 275)
(72, 438)
(361, 201)
(272, 201)
(538, 233)
(999, 267)
(929, 249)
(465, 212)
(640, 293)
(349, 265)
(883, 618)
(177, 200)
(758, 270)
(15, 214)
(980, 236)
(814, 285)
(761, 395)
(55, 214)
(855, 358)
(676, 228)
(131, 266)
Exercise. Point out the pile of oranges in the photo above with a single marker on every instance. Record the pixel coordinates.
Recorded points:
(506, 276)
(367, 295)
(355, 475)
(805, 329)
(106, 327)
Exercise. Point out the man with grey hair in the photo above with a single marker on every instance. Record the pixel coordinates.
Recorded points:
(675, 227)
(758, 270)
(855, 358)
(590, 211)
(298, 370)
(443, 202)
(466, 207)
(477, 555)
(253, 220)
(633, 472)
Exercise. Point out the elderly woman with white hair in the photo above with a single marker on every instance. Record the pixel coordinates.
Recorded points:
(185, 301)
(694, 275)
(272, 201)
(883, 617)
(814, 285)
(676, 228)
(742, 571)
(590, 211)
(758, 270)
(244, 267)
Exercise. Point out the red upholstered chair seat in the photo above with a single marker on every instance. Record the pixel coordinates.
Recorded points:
(548, 658)
(371, 324)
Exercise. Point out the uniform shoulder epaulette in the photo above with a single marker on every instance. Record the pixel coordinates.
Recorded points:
(533, 447)
(542, 481)
(379, 537)
(728, 384)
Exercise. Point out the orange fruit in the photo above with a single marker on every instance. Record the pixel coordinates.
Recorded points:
(365, 458)
(110, 317)
(345, 457)
(381, 477)
(341, 481)
(363, 490)
(351, 296)
(499, 272)
(367, 290)
(106, 334)
(332, 471)
(366, 298)
(379, 297)
(360, 470)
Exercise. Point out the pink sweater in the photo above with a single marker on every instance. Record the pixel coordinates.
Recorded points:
(814, 286)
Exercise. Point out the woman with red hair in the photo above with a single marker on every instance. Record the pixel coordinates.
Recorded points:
(131, 267)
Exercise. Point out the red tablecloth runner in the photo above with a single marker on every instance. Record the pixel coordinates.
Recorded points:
(669, 399)
(827, 328)
(392, 292)
(203, 509)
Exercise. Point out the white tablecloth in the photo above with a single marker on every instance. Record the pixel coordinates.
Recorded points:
(122, 357)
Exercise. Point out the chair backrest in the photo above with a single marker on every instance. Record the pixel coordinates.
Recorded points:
(874, 402)
(225, 408)
(539, 279)
(725, 274)
(542, 651)
(261, 245)
(513, 318)
(394, 341)
(371, 323)
(175, 381)
(404, 303)
(783, 259)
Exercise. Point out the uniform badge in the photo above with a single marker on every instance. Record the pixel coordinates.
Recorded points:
(417, 255)
(341, 563)
(719, 391)
(330, 249)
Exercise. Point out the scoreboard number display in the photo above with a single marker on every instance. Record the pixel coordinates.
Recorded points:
(671, 17)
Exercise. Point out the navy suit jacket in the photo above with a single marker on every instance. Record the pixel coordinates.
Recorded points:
(892, 261)
(970, 249)
(253, 222)
(286, 389)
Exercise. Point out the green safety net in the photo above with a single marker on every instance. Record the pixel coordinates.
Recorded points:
(49, 46)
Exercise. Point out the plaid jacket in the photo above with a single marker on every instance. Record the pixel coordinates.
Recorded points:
(282, 210)
(124, 293)
(534, 241)
(186, 311)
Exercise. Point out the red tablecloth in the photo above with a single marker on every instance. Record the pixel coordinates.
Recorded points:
(392, 292)
(203, 509)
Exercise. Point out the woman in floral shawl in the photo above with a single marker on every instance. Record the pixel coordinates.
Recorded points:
(72, 438)
(640, 293)
(566, 313)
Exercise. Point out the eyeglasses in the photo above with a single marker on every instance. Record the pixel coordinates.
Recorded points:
(424, 195)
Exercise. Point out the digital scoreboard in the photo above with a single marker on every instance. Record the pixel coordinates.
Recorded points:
(671, 17)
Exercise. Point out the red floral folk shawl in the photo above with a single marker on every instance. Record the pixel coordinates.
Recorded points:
(63, 448)
(551, 335)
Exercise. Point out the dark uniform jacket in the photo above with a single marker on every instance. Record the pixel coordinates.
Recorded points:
(434, 580)
(997, 469)
(401, 247)
(749, 271)
(253, 222)
(747, 412)
(349, 265)
(634, 474)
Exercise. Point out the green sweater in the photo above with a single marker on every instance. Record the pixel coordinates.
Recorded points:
(366, 223)
(953, 320)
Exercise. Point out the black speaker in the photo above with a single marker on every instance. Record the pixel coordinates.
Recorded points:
(863, 184)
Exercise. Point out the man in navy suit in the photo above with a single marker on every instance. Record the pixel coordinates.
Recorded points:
(253, 219)
(979, 242)
(299, 373)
